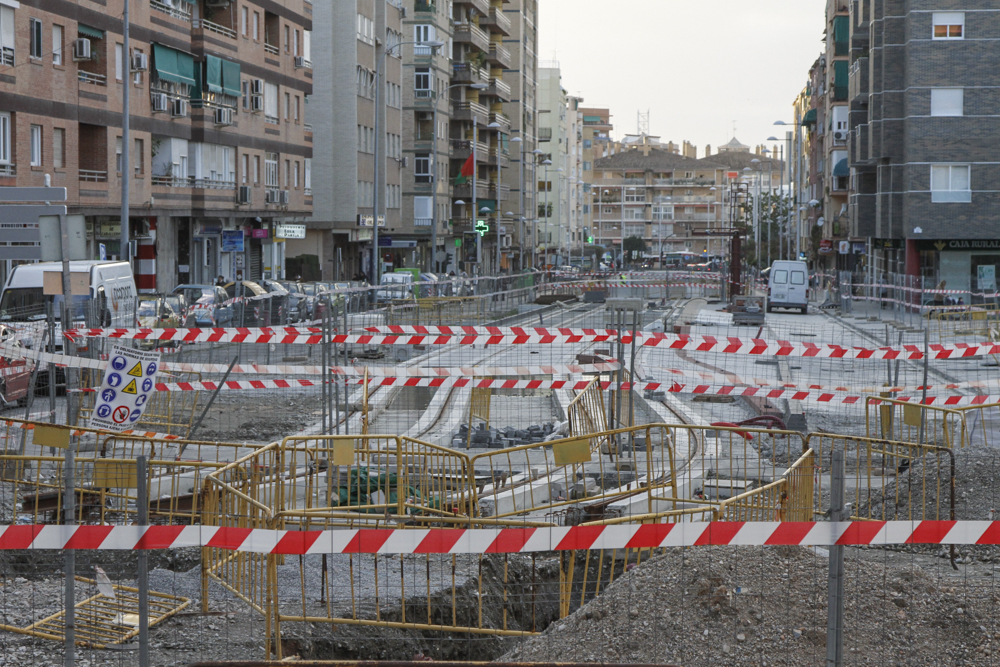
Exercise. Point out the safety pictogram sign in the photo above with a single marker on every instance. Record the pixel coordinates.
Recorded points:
(129, 378)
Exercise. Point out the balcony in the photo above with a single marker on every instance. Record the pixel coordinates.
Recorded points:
(482, 6)
(179, 10)
(501, 120)
(497, 21)
(460, 150)
(425, 6)
(467, 33)
(471, 112)
(206, 25)
(699, 182)
(545, 134)
(270, 48)
(182, 182)
(498, 88)
(467, 73)
(91, 79)
(463, 191)
(858, 81)
(93, 176)
(499, 56)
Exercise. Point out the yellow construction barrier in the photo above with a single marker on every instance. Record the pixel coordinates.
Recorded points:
(479, 408)
(901, 421)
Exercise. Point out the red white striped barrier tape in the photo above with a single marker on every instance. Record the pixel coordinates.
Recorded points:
(75, 432)
(500, 540)
(600, 335)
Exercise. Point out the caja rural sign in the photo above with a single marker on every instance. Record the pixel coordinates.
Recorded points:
(129, 381)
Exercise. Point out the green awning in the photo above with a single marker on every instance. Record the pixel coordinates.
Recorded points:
(841, 168)
(89, 32)
(172, 65)
(196, 90)
(809, 118)
(841, 35)
(213, 75)
(231, 78)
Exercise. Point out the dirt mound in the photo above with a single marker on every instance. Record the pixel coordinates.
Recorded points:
(759, 606)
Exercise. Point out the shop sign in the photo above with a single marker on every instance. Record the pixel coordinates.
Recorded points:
(385, 242)
(364, 234)
(289, 231)
(259, 233)
(844, 247)
(110, 230)
(825, 246)
(859, 247)
(366, 220)
(204, 229)
(232, 240)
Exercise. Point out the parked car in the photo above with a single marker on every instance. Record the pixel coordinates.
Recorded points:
(156, 313)
(249, 311)
(279, 301)
(395, 287)
(210, 306)
(180, 305)
(297, 308)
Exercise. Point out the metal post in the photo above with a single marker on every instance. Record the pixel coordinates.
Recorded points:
(142, 506)
(475, 203)
(52, 367)
(520, 204)
(69, 562)
(211, 400)
(497, 211)
(835, 575)
(433, 268)
(67, 315)
(126, 140)
(376, 198)
(923, 398)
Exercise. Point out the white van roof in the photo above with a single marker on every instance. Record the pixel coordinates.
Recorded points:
(23, 273)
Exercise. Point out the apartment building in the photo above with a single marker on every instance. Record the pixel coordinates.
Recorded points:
(923, 151)
(219, 149)
(554, 178)
(578, 191)
(353, 40)
(596, 132)
(657, 195)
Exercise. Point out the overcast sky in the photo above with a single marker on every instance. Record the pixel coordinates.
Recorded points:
(696, 65)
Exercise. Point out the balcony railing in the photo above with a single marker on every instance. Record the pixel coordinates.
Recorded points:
(182, 182)
(273, 120)
(270, 48)
(496, 18)
(684, 181)
(423, 222)
(462, 148)
(93, 176)
(8, 170)
(7, 56)
(499, 88)
(469, 111)
(307, 127)
(92, 79)
(425, 6)
(499, 55)
(469, 33)
(204, 24)
(501, 120)
(482, 6)
(467, 73)
(183, 12)
(307, 192)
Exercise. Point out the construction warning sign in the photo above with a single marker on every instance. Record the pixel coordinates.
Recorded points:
(129, 379)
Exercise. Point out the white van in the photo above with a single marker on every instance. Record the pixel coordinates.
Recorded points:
(788, 286)
(110, 302)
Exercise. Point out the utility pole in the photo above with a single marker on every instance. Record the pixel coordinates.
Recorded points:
(835, 575)
(125, 253)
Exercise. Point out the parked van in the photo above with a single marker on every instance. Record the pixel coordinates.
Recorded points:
(788, 286)
(110, 302)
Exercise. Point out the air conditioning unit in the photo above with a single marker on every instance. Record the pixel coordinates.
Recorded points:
(243, 195)
(256, 103)
(301, 62)
(425, 115)
(160, 102)
(223, 116)
(81, 49)
(257, 87)
(140, 62)
(405, 162)
(179, 108)
(283, 197)
(840, 136)
(271, 196)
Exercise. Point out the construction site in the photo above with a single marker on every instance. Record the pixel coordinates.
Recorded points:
(583, 470)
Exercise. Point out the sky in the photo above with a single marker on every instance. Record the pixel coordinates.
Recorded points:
(697, 66)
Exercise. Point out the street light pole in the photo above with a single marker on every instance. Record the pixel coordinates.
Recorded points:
(520, 200)
(376, 195)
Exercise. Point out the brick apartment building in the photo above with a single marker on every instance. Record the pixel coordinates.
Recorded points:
(218, 135)
(923, 96)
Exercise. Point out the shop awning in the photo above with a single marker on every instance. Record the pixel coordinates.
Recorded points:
(809, 118)
(213, 75)
(172, 65)
(841, 168)
(231, 78)
(89, 32)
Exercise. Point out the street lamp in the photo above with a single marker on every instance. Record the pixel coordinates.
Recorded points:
(794, 178)
(433, 45)
(434, 170)
(520, 198)
(475, 174)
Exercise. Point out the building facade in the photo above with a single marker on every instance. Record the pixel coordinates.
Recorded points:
(220, 153)
(353, 41)
(923, 155)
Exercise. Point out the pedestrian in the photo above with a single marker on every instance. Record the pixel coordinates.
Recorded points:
(220, 281)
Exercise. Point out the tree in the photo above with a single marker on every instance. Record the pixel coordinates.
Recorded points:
(634, 247)
(774, 211)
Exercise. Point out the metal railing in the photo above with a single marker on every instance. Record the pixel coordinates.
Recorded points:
(183, 12)
(93, 176)
(91, 78)
(270, 48)
(189, 182)
(499, 54)
(8, 170)
(205, 24)
(467, 32)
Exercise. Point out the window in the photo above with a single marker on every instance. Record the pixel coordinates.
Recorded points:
(35, 43)
(296, 173)
(245, 88)
(422, 81)
(798, 278)
(4, 138)
(947, 102)
(271, 170)
(296, 108)
(119, 66)
(271, 103)
(421, 35)
(245, 21)
(288, 173)
(366, 29)
(58, 147)
(295, 42)
(246, 168)
(586, 166)
(57, 45)
(256, 26)
(949, 25)
(288, 107)
(635, 195)
(950, 183)
(118, 155)
(137, 76)
(137, 157)
(422, 168)
(308, 175)
(288, 38)
(634, 214)
(366, 83)
(36, 145)
(256, 169)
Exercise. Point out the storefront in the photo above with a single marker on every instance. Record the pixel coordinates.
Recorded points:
(967, 265)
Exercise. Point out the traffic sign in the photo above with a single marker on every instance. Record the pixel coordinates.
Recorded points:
(118, 408)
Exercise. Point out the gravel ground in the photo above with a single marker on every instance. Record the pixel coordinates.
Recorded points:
(754, 606)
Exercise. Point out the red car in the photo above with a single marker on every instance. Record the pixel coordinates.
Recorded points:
(15, 370)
